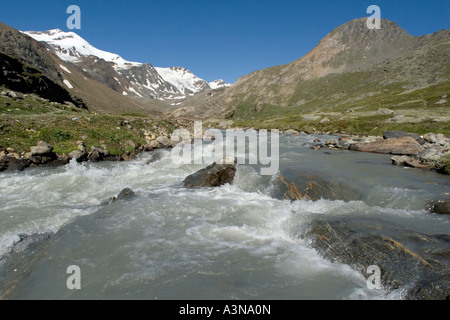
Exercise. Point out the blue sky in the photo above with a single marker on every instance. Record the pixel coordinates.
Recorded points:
(217, 39)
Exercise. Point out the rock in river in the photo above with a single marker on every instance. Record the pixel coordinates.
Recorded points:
(407, 259)
(295, 184)
(406, 145)
(214, 175)
(124, 195)
(439, 207)
(13, 164)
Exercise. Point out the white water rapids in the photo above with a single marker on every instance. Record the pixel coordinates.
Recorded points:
(232, 242)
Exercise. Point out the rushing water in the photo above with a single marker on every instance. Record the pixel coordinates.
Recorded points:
(232, 242)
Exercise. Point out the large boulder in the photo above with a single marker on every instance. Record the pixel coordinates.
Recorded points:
(405, 257)
(214, 175)
(398, 146)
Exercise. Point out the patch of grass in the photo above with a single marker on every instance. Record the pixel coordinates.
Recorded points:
(443, 165)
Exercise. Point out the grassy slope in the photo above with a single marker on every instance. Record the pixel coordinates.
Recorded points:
(25, 122)
(410, 84)
(357, 111)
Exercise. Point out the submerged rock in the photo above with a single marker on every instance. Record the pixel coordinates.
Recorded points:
(293, 184)
(124, 195)
(16, 265)
(417, 261)
(214, 175)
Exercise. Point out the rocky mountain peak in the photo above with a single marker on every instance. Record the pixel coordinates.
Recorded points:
(354, 46)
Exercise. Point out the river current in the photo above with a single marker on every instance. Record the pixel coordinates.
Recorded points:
(232, 242)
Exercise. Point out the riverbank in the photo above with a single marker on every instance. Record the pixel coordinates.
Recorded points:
(66, 132)
(430, 151)
(36, 132)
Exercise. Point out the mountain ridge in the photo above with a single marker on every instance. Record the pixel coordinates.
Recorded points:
(350, 62)
(139, 80)
(97, 96)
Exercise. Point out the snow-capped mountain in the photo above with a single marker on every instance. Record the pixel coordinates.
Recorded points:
(218, 84)
(71, 47)
(184, 80)
(137, 79)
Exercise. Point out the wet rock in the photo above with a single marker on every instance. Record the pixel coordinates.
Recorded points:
(400, 160)
(345, 143)
(17, 264)
(79, 156)
(397, 146)
(13, 164)
(332, 143)
(97, 154)
(401, 134)
(439, 207)
(420, 262)
(293, 184)
(3, 164)
(125, 195)
(155, 157)
(406, 161)
(214, 175)
(148, 148)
